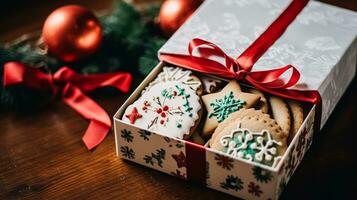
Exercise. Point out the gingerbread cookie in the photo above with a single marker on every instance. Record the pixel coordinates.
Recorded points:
(263, 103)
(210, 84)
(220, 105)
(172, 109)
(280, 112)
(180, 75)
(297, 114)
(253, 136)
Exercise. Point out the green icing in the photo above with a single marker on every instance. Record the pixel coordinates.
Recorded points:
(186, 105)
(240, 137)
(166, 94)
(247, 151)
(222, 108)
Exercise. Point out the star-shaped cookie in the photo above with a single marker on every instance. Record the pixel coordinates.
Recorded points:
(221, 104)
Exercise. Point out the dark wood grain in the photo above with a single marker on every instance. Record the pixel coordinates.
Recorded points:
(42, 155)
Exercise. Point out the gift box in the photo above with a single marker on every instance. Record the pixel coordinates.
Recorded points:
(317, 39)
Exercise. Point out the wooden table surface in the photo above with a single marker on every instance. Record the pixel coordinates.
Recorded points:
(42, 155)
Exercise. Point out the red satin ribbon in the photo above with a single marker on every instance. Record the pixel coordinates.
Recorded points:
(72, 88)
(269, 81)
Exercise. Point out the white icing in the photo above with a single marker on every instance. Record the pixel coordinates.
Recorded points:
(174, 115)
(265, 149)
(175, 74)
(209, 83)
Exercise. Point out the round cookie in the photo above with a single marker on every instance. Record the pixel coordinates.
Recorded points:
(251, 112)
(256, 138)
(297, 114)
(180, 75)
(171, 109)
(280, 112)
(263, 103)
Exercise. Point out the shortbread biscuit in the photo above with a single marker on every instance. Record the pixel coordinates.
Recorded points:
(297, 114)
(172, 109)
(222, 104)
(255, 137)
(280, 112)
(251, 112)
(263, 103)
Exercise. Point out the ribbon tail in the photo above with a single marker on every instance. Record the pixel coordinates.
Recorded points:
(100, 122)
(88, 83)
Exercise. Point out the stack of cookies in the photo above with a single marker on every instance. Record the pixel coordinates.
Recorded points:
(243, 123)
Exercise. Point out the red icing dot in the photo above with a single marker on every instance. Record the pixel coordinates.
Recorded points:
(162, 121)
(159, 110)
(163, 114)
(144, 108)
(166, 108)
(175, 93)
(146, 103)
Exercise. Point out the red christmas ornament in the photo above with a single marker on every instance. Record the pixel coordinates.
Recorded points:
(71, 33)
(173, 14)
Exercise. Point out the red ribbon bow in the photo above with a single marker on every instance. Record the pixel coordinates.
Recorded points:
(72, 87)
(269, 81)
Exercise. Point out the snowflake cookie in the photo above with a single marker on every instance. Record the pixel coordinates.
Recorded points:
(172, 109)
(222, 104)
(178, 74)
(251, 135)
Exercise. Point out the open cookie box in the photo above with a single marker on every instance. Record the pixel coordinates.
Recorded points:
(235, 176)
(326, 62)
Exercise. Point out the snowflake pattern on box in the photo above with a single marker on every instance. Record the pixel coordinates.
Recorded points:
(262, 175)
(232, 183)
(252, 146)
(254, 189)
(170, 108)
(180, 159)
(155, 158)
(127, 152)
(127, 135)
(224, 162)
(221, 108)
(144, 134)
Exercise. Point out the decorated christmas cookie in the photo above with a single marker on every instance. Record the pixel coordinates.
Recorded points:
(180, 75)
(252, 136)
(172, 109)
(210, 84)
(220, 105)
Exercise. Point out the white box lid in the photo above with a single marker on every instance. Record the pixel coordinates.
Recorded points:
(321, 42)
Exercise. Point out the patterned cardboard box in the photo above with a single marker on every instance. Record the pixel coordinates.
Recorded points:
(312, 43)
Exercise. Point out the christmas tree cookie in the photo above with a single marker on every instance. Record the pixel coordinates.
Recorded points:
(222, 104)
(180, 75)
(251, 135)
(172, 109)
